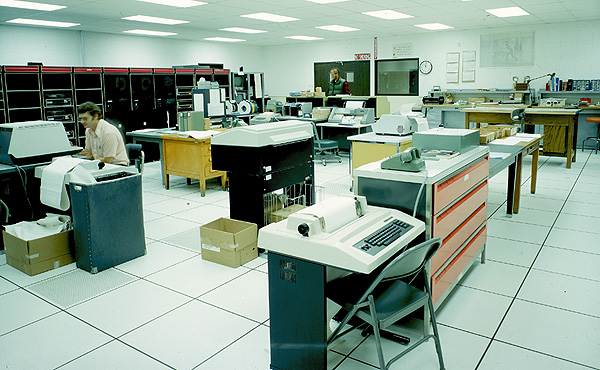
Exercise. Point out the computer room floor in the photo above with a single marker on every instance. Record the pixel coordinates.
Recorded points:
(534, 304)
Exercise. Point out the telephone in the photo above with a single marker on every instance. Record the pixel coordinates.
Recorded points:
(408, 160)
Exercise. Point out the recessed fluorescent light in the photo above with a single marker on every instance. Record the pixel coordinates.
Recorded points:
(30, 5)
(326, 1)
(270, 17)
(241, 30)
(223, 39)
(305, 38)
(176, 3)
(513, 11)
(433, 26)
(37, 22)
(150, 33)
(388, 14)
(337, 28)
(144, 18)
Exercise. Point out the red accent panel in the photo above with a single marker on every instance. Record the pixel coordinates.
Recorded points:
(56, 69)
(87, 69)
(164, 70)
(184, 70)
(222, 71)
(21, 69)
(207, 71)
(115, 70)
(140, 70)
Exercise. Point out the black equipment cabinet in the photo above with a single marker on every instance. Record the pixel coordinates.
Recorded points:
(260, 168)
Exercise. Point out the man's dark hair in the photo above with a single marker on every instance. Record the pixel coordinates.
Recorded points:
(88, 106)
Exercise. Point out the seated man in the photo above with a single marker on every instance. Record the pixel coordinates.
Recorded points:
(103, 141)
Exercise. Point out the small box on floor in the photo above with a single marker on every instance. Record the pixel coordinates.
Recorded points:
(229, 242)
(282, 214)
(38, 255)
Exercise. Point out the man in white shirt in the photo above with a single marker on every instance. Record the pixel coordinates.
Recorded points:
(103, 141)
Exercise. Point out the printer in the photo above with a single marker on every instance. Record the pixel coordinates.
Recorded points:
(297, 109)
(342, 232)
(33, 142)
(260, 159)
(395, 124)
(352, 116)
(265, 117)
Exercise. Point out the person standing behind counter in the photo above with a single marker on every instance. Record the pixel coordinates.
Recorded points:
(103, 141)
(337, 85)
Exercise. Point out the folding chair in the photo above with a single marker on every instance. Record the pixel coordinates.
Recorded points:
(388, 299)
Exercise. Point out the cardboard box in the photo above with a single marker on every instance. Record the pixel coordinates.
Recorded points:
(509, 130)
(284, 213)
(319, 94)
(486, 137)
(320, 113)
(207, 123)
(38, 255)
(229, 242)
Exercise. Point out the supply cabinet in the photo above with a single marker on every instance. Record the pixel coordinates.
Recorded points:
(452, 205)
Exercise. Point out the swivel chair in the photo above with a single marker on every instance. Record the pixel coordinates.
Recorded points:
(325, 148)
(596, 138)
(386, 299)
(135, 154)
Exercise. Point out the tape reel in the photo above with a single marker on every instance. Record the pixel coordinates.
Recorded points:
(247, 107)
(231, 107)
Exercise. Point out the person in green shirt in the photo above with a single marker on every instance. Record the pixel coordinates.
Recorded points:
(337, 85)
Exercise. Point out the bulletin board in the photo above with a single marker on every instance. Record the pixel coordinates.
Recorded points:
(356, 72)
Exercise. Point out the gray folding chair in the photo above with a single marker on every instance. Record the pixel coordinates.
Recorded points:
(325, 148)
(388, 299)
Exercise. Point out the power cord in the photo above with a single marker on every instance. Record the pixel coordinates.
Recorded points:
(23, 177)
(419, 194)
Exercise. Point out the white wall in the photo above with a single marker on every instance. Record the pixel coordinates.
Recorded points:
(19, 45)
(572, 50)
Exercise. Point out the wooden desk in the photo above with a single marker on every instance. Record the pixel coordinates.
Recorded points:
(370, 147)
(560, 126)
(530, 145)
(191, 158)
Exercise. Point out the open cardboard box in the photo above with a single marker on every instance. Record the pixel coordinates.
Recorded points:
(229, 242)
(38, 255)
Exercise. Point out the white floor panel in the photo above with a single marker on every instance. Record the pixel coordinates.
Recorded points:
(485, 277)
(564, 334)
(247, 296)
(167, 226)
(510, 251)
(529, 216)
(128, 307)
(579, 196)
(188, 239)
(6, 286)
(562, 291)
(250, 352)
(569, 262)
(189, 335)
(195, 276)
(575, 240)
(49, 343)
(544, 204)
(172, 206)
(578, 222)
(114, 356)
(22, 279)
(204, 214)
(460, 350)
(159, 256)
(78, 286)
(20, 308)
(517, 231)
(473, 310)
(582, 209)
(502, 356)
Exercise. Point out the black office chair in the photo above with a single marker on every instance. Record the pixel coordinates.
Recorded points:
(134, 151)
(387, 299)
(325, 148)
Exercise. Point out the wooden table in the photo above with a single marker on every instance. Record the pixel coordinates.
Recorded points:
(370, 147)
(560, 126)
(190, 158)
(528, 144)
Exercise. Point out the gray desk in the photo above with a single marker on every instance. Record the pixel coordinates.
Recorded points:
(152, 136)
(358, 128)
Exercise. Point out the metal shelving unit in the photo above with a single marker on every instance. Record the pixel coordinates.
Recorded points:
(87, 82)
(57, 98)
(23, 99)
